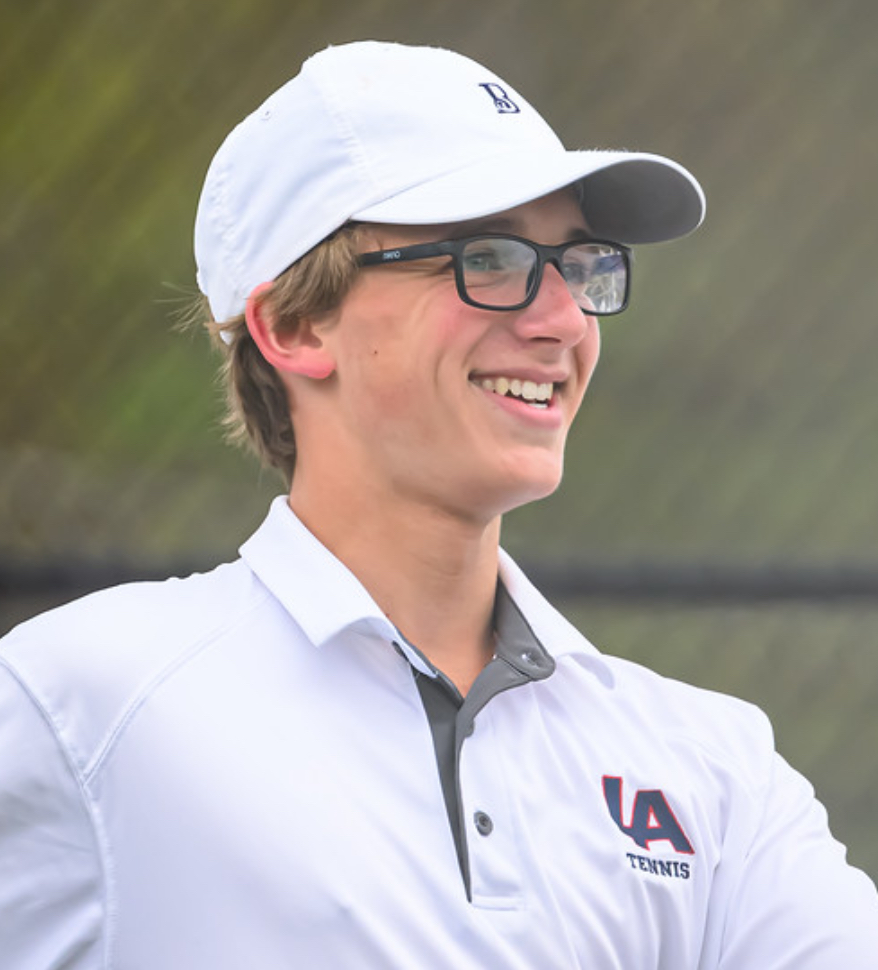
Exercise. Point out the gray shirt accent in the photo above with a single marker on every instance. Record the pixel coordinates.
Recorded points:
(519, 659)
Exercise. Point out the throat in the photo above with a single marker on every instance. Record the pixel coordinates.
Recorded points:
(460, 663)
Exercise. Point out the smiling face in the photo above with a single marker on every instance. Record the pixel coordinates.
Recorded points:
(431, 401)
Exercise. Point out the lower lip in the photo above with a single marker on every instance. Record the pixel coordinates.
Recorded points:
(548, 417)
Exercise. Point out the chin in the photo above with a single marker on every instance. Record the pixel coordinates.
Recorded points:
(534, 495)
(520, 489)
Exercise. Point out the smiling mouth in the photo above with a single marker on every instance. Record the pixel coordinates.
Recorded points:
(531, 393)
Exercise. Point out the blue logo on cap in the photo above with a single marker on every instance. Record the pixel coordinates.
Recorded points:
(502, 102)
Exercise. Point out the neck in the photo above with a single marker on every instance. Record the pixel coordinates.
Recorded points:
(433, 573)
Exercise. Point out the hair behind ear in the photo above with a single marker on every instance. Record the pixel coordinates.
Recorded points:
(257, 407)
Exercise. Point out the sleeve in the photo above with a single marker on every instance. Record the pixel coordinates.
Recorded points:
(797, 905)
(51, 881)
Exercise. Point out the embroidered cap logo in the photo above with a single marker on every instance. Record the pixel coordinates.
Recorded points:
(502, 102)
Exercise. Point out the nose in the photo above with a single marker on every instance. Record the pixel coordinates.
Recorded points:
(554, 316)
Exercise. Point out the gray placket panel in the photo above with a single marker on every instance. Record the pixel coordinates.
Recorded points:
(519, 659)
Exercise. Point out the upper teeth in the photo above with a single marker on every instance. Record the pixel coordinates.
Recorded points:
(529, 390)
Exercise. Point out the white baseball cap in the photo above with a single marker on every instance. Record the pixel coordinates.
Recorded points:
(383, 132)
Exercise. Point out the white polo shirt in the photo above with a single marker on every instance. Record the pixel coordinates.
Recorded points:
(252, 769)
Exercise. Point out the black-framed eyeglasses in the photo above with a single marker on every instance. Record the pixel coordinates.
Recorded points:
(496, 271)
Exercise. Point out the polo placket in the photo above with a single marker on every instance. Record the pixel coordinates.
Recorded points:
(496, 872)
(471, 760)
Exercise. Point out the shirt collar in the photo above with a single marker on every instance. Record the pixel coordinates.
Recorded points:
(560, 637)
(316, 589)
(325, 597)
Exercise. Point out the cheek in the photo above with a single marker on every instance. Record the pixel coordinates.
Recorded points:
(397, 356)
(413, 354)
(380, 382)
(589, 352)
(450, 321)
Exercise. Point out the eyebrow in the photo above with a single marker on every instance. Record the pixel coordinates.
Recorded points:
(500, 223)
(487, 224)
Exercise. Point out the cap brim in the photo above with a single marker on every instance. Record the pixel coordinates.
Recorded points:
(629, 197)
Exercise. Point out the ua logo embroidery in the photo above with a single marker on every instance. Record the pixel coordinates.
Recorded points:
(502, 102)
(651, 817)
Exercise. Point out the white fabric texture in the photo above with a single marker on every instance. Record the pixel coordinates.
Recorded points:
(236, 770)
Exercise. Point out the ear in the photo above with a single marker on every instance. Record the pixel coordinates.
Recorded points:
(297, 350)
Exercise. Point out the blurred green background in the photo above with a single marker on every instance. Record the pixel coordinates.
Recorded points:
(733, 419)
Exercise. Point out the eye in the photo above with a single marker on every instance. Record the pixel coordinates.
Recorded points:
(582, 268)
(482, 258)
(576, 272)
(498, 256)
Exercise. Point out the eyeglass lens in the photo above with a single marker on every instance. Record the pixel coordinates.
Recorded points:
(500, 273)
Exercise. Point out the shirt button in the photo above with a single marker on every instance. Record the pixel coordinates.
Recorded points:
(530, 658)
(484, 824)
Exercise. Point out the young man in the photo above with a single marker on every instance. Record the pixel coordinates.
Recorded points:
(369, 742)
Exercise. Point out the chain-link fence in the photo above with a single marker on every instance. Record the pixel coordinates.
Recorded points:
(718, 517)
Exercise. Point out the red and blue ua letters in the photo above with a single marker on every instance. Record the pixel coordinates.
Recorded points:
(652, 819)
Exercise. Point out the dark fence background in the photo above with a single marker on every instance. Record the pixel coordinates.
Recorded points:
(718, 517)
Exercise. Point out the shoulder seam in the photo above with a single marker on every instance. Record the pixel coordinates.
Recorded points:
(103, 854)
(117, 729)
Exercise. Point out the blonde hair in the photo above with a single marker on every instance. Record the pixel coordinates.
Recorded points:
(257, 412)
